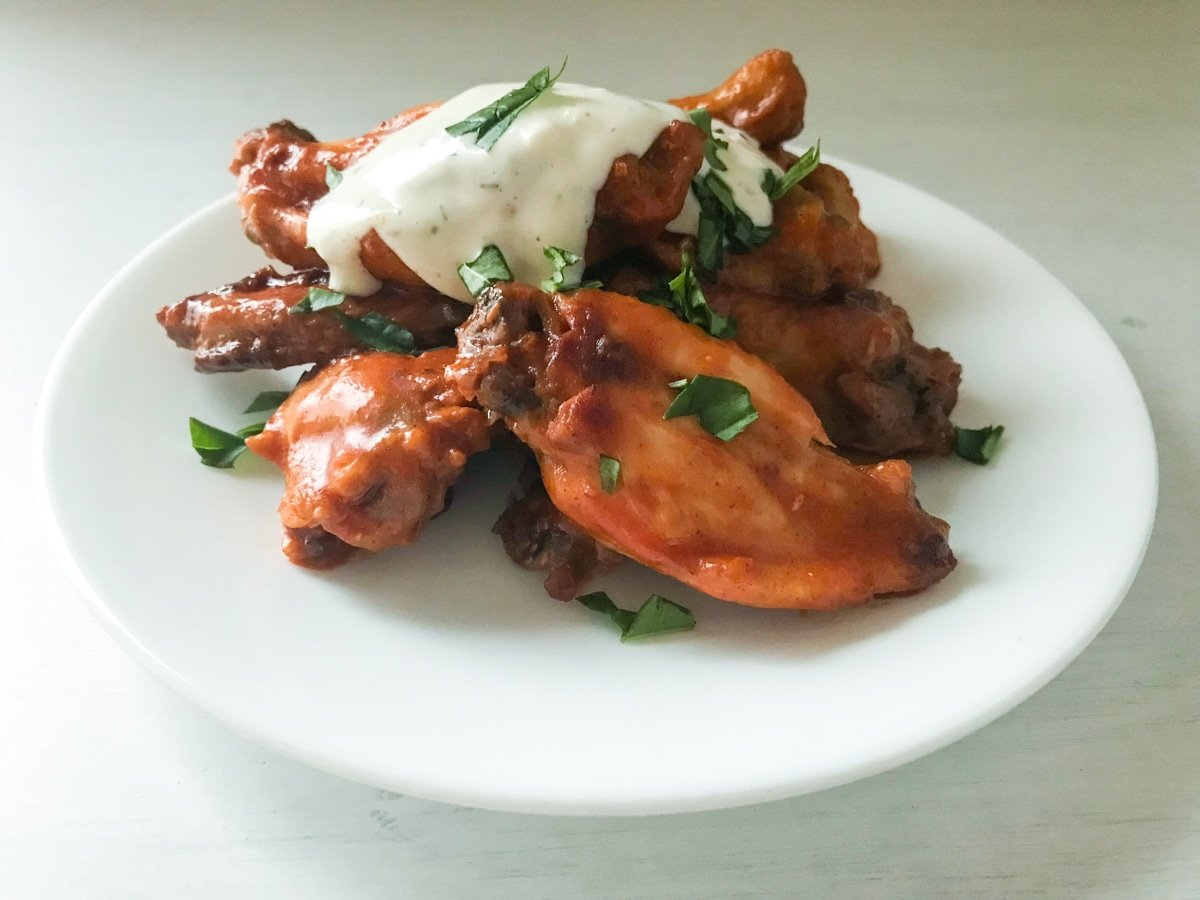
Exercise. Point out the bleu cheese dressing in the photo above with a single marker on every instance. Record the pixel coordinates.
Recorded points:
(437, 200)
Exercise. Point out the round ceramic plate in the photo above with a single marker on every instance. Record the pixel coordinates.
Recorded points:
(443, 671)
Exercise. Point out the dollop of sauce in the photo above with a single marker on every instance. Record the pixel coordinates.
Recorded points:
(437, 200)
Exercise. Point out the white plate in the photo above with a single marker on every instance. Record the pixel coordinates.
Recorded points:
(443, 671)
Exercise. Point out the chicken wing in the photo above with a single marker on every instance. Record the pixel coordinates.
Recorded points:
(281, 170)
(248, 324)
(281, 173)
(764, 98)
(771, 517)
(819, 243)
(853, 356)
(369, 445)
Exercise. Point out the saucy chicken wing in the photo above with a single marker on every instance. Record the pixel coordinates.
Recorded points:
(249, 324)
(819, 243)
(281, 173)
(369, 445)
(877, 391)
(771, 517)
(764, 98)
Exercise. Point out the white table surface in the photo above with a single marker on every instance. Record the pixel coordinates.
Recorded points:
(1071, 128)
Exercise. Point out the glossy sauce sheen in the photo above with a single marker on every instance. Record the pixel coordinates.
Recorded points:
(437, 200)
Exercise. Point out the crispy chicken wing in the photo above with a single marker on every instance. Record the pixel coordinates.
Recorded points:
(369, 445)
(247, 324)
(769, 518)
(853, 356)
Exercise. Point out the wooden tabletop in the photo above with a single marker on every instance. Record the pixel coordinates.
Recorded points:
(1070, 128)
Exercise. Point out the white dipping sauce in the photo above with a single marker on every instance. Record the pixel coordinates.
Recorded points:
(437, 200)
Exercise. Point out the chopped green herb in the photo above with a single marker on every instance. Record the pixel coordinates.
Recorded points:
(702, 119)
(485, 270)
(215, 447)
(977, 445)
(776, 186)
(657, 615)
(489, 123)
(267, 400)
(333, 177)
(684, 297)
(379, 332)
(317, 299)
(562, 260)
(723, 406)
(610, 473)
(600, 602)
(722, 222)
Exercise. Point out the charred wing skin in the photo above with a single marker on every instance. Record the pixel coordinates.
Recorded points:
(771, 518)
(765, 98)
(247, 324)
(538, 537)
(369, 445)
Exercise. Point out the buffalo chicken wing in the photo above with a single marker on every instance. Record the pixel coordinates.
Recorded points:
(771, 517)
(250, 324)
(369, 445)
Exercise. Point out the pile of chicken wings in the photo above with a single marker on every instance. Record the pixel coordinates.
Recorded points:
(811, 506)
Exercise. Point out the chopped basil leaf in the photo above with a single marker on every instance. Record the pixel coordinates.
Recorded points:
(723, 406)
(776, 186)
(376, 331)
(561, 260)
(317, 299)
(977, 445)
(600, 602)
(489, 123)
(485, 270)
(379, 332)
(267, 400)
(215, 447)
(722, 221)
(610, 472)
(710, 241)
(657, 615)
(683, 296)
(702, 119)
(333, 177)
(251, 430)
